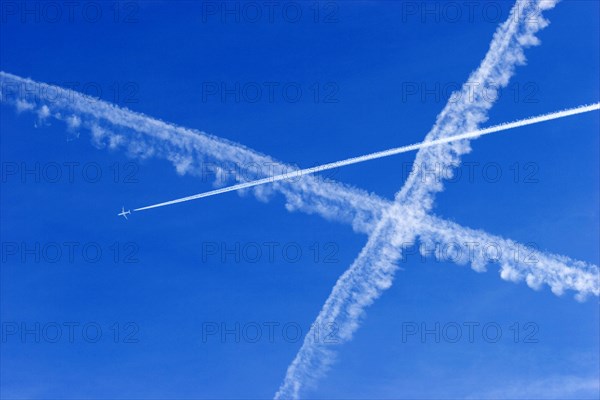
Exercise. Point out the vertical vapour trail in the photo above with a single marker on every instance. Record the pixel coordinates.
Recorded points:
(373, 270)
(116, 127)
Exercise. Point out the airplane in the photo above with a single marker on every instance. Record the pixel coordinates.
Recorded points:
(124, 213)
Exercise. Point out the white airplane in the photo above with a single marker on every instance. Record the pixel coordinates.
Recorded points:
(124, 213)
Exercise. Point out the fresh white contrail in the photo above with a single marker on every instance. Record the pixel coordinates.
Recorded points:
(385, 153)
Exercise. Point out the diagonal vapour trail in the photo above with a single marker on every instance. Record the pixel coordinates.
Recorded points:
(517, 262)
(386, 153)
(373, 270)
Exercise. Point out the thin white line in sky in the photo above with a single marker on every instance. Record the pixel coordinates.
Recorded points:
(385, 153)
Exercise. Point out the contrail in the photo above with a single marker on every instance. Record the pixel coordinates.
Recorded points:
(385, 153)
(372, 272)
(143, 136)
(517, 262)
(123, 128)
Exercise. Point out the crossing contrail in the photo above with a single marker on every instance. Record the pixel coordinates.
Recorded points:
(372, 272)
(122, 128)
(116, 127)
(385, 153)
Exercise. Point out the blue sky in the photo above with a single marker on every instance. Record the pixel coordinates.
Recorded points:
(363, 60)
